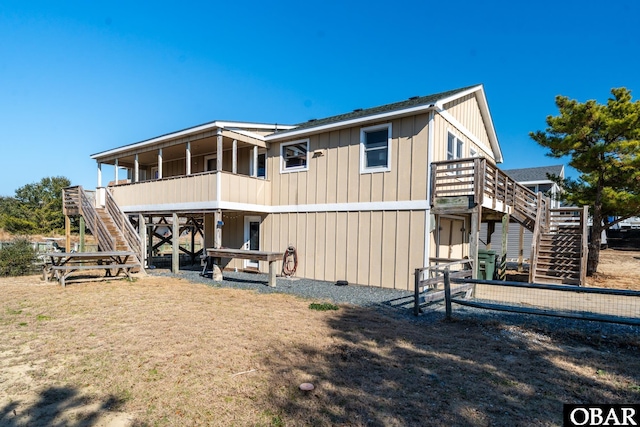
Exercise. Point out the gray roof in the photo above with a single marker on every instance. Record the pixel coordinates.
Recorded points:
(535, 174)
(361, 113)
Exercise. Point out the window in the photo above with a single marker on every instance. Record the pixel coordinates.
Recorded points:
(261, 163)
(211, 162)
(455, 147)
(295, 156)
(375, 148)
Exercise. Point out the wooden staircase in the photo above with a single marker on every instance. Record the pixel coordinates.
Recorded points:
(108, 224)
(559, 249)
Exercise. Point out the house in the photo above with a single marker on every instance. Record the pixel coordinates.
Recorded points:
(366, 196)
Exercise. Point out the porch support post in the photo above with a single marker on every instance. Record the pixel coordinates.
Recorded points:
(219, 152)
(81, 226)
(67, 233)
(136, 169)
(209, 230)
(502, 270)
(234, 167)
(217, 244)
(142, 231)
(521, 250)
(115, 171)
(175, 244)
(159, 163)
(474, 238)
(99, 174)
(254, 172)
(188, 158)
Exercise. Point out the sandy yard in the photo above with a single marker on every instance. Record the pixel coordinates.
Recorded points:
(163, 351)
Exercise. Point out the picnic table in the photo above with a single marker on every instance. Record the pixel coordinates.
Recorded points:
(60, 265)
(270, 257)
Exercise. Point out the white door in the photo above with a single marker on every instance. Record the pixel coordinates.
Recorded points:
(251, 238)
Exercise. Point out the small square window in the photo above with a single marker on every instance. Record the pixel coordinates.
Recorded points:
(375, 148)
(295, 156)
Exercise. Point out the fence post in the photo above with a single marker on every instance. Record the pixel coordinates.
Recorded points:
(416, 293)
(447, 293)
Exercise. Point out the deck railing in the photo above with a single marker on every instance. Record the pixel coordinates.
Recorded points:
(489, 186)
(121, 221)
(77, 201)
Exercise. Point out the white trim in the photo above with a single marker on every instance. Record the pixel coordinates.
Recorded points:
(233, 126)
(284, 169)
(427, 219)
(363, 132)
(459, 95)
(248, 219)
(406, 205)
(464, 131)
(349, 123)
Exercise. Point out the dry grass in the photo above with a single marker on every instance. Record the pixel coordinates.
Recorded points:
(161, 351)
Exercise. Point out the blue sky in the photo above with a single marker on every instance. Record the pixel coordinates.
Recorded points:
(79, 77)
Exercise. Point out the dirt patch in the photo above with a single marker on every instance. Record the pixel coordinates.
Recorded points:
(618, 269)
(163, 351)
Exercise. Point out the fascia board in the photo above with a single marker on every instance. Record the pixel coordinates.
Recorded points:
(349, 123)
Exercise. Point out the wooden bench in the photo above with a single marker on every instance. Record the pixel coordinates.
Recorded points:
(270, 257)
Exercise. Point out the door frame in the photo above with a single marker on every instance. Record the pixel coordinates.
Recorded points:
(248, 219)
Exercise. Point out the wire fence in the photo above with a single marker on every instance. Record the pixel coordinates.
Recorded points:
(598, 304)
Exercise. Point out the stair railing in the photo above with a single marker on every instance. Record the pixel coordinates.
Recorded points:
(538, 229)
(75, 198)
(121, 221)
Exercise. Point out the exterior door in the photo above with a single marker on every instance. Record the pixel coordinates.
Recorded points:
(451, 238)
(251, 239)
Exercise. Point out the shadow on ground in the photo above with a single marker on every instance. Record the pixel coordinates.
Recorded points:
(57, 407)
(384, 371)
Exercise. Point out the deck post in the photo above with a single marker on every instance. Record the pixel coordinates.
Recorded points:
(219, 152)
(81, 229)
(136, 169)
(447, 293)
(502, 271)
(474, 239)
(175, 244)
(234, 157)
(491, 228)
(142, 231)
(159, 163)
(217, 242)
(99, 175)
(254, 170)
(521, 250)
(115, 171)
(67, 233)
(188, 158)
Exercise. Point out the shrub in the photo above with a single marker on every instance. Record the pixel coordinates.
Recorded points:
(323, 306)
(17, 258)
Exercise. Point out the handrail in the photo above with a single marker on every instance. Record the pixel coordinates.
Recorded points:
(123, 224)
(75, 197)
(535, 240)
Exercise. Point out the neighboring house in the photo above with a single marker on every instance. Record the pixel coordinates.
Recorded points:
(537, 180)
(354, 193)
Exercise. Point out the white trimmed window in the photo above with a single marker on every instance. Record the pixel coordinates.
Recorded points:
(455, 147)
(294, 156)
(375, 148)
(211, 162)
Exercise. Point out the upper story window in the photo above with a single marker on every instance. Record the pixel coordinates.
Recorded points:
(295, 156)
(211, 162)
(375, 148)
(455, 147)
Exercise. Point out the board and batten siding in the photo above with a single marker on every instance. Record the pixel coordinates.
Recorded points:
(375, 248)
(441, 128)
(466, 111)
(334, 176)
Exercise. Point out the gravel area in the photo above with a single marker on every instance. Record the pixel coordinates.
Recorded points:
(363, 296)
(399, 303)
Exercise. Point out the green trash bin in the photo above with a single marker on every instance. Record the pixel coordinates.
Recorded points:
(486, 264)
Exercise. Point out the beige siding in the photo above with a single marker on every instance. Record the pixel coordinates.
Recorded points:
(334, 175)
(441, 128)
(466, 111)
(367, 248)
(194, 188)
(245, 189)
